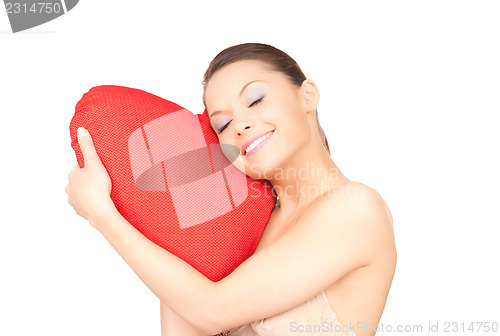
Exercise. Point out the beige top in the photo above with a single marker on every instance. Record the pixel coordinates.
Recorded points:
(313, 317)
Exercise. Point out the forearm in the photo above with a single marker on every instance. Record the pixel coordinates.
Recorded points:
(176, 283)
(173, 325)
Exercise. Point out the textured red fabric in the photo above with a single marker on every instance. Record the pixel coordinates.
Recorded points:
(170, 179)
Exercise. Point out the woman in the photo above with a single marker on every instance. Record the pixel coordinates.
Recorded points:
(326, 258)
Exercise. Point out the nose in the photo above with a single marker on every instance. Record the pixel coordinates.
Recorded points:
(243, 125)
(245, 130)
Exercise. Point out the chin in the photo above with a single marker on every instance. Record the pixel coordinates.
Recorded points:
(256, 171)
(264, 169)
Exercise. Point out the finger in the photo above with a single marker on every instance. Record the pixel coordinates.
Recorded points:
(72, 171)
(86, 143)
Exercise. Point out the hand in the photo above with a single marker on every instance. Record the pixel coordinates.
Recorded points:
(89, 188)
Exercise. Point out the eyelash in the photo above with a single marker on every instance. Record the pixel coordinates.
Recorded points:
(253, 104)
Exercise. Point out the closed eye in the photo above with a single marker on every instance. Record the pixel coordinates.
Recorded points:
(254, 103)
(257, 101)
(223, 127)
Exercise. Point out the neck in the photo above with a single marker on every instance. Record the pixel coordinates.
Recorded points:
(304, 177)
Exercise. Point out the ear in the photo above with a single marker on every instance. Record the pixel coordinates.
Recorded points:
(310, 95)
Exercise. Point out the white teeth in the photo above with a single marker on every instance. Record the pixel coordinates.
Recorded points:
(256, 142)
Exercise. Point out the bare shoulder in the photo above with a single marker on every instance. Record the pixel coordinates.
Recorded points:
(357, 213)
(360, 195)
(353, 199)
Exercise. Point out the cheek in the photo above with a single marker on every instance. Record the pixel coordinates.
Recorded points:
(289, 118)
(229, 149)
(288, 106)
(223, 139)
(292, 124)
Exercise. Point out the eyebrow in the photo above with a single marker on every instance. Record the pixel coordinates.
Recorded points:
(241, 92)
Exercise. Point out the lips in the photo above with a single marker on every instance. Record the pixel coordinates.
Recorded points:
(251, 140)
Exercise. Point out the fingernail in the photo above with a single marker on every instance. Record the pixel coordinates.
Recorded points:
(82, 132)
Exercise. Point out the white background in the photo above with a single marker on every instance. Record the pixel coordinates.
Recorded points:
(410, 100)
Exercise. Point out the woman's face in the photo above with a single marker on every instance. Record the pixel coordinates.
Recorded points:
(244, 101)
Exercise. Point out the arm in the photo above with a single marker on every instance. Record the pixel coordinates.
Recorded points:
(342, 230)
(173, 325)
(334, 236)
(177, 284)
(89, 190)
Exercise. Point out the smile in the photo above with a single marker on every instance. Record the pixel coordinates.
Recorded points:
(257, 144)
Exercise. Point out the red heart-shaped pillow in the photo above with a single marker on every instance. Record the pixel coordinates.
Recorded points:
(171, 180)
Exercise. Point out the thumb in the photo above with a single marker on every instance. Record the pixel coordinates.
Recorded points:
(86, 144)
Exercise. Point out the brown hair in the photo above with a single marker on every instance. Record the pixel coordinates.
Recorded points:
(276, 59)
